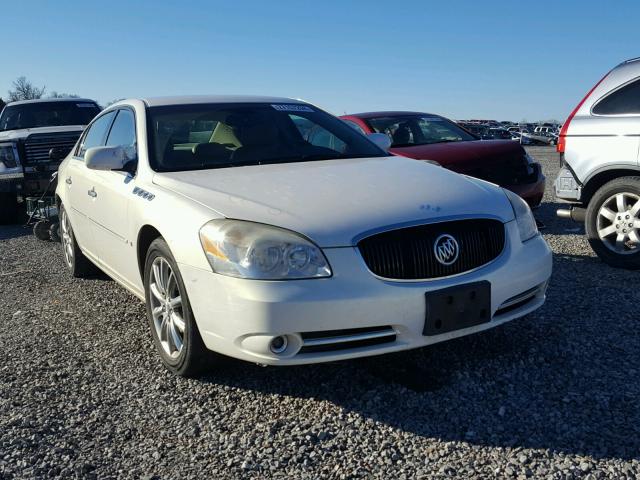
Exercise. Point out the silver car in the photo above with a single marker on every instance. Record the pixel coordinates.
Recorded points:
(600, 175)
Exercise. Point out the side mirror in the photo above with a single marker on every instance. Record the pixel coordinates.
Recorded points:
(105, 158)
(380, 139)
(56, 154)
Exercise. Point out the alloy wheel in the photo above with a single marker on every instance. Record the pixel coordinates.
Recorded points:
(166, 307)
(618, 223)
(67, 241)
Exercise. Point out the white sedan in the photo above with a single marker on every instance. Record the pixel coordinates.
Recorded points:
(268, 230)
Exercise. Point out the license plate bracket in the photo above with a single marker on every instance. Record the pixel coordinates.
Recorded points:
(457, 307)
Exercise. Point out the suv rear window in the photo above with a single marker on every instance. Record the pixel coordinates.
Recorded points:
(47, 114)
(625, 100)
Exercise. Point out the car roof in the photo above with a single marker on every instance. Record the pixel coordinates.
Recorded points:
(392, 113)
(203, 99)
(48, 100)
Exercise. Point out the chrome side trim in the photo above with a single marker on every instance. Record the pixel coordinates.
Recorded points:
(348, 338)
(532, 292)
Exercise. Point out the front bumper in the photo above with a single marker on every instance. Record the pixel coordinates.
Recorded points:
(238, 317)
(30, 183)
(11, 182)
(531, 192)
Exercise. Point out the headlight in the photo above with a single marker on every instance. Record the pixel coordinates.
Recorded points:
(8, 155)
(252, 250)
(526, 223)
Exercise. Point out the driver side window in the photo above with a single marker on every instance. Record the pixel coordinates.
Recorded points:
(123, 133)
(96, 134)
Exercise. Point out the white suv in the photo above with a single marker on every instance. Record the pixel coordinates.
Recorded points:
(246, 237)
(600, 174)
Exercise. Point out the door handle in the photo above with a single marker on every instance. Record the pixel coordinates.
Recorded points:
(92, 193)
(68, 181)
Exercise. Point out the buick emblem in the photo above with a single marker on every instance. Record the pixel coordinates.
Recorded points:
(446, 249)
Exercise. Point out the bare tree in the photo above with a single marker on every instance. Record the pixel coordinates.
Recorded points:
(23, 89)
(2, 104)
(55, 94)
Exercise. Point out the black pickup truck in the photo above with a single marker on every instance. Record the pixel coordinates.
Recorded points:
(35, 135)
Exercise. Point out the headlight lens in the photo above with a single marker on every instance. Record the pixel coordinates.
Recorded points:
(526, 223)
(252, 250)
(7, 155)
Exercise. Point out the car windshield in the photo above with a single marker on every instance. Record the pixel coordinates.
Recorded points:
(205, 136)
(410, 130)
(47, 114)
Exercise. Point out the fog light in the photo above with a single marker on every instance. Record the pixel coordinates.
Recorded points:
(278, 344)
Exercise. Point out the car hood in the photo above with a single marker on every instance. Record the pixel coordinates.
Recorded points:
(465, 157)
(15, 135)
(337, 202)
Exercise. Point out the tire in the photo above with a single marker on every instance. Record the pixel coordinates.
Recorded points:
(41, 230)
(78, 265)
(54, 232)
(172, 324)
(612, 223)
(9, 209)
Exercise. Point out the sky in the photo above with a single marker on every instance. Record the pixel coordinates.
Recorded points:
(503, 60)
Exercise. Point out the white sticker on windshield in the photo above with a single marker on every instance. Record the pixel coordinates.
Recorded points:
(292, 108)
(85, 105)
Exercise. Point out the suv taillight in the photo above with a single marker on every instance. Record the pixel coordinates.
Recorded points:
(562, 142)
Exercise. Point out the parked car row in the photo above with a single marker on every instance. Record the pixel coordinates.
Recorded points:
(525, 134)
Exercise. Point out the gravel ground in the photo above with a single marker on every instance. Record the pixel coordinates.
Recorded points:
(554, 395)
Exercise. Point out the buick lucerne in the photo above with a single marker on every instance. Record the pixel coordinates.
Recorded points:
(268, 230)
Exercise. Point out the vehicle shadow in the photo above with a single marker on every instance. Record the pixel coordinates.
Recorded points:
(8, 232)
(554, 225)
(563, 380)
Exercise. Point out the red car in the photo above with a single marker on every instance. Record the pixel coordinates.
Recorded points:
(425, 136)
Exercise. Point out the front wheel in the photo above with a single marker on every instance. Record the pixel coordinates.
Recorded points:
(78, 265)
(173, 327)
(613, 223)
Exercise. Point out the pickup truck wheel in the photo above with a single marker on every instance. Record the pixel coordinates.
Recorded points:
(54, 232)
(173, 327)
(613, 223)
(41, 230)
(78, 265)
(9, 208)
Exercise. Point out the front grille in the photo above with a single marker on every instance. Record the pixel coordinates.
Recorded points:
(37, 146)
(408, 253)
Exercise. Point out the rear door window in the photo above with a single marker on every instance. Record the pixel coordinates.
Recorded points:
(624, 101)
